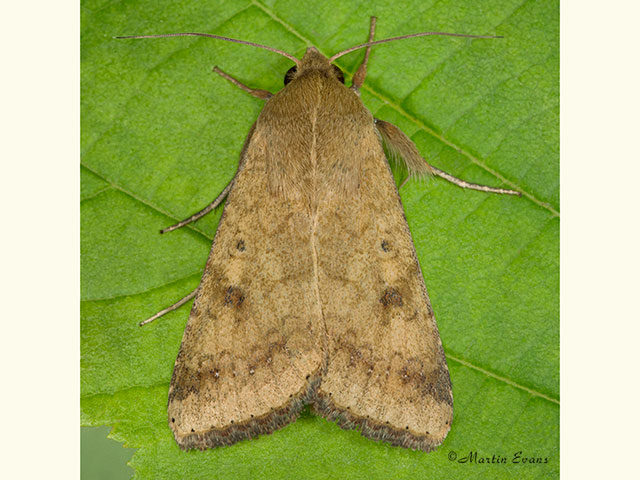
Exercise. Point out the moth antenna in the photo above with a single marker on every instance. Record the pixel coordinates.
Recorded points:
(411, 35)
(227, 39)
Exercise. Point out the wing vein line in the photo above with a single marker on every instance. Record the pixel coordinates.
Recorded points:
(314, 212)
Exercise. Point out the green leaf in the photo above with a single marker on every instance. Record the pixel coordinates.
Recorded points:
(161, 136)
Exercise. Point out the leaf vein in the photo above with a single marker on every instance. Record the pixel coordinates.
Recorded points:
(506, 380)
(143, 201)
(197, 274)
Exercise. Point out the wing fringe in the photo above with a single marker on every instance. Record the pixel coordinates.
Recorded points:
(370, 428)
(265, 424)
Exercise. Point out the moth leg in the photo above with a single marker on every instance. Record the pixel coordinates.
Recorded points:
(263, 94)
(202, 212)
(173, 307)
(358, 78)
(402, 148)
(472, 186)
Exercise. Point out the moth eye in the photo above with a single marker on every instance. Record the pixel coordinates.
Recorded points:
(290, 74)
(339, 73)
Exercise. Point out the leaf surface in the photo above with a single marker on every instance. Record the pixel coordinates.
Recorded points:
(161, 135)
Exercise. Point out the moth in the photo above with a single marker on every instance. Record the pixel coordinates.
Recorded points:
(312, 292)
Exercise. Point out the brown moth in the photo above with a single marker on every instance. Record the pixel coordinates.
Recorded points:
(312, 293)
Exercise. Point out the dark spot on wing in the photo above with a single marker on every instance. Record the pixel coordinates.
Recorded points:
(438, 385)
(233, 297)
(187, 380)
(385, 246)
(391, 297)
(434, 382)
(240, 245)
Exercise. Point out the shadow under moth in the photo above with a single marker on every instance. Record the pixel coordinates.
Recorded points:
(312, 292)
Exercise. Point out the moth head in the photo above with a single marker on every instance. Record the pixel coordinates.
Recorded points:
(313, 60)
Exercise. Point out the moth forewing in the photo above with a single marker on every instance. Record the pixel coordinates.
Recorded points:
(387, 374)
(251, 353)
